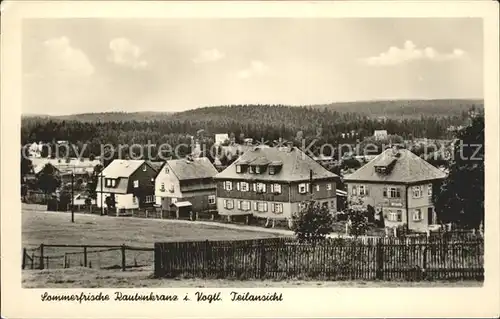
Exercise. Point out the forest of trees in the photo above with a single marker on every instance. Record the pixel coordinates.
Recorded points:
(260, 122)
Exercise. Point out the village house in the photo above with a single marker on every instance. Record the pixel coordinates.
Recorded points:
(186, 185)
(273, 183)
(380, 134)
(397, 185)
(130, 182)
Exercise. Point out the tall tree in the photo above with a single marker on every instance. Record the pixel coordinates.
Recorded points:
(48, 179)
(460, 199)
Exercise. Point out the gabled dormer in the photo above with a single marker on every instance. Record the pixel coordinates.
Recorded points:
(258, 166)
(241, 167)
(275, 167)
(385, 165)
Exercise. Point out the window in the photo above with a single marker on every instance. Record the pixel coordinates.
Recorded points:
(277, 208)
(167, 170)
(149, 199)
(136, 183)
(228, 185)
(394, 192)
(108, 182)
(417, 191)
(244, 205)
(162, 187)
(429, 190)
(238, 168)
(276, 188)
(144, 168)
(257, 169)
(251, 170)
(134, 200)
(173, 200)
(303, 188)
(400, 215)
(262, 207)
(171, 188)
(211, 199)
(324, 204)
(417, 215)
(317, 188)
(384, 192)
(332, 204)
(228, 204)
(354, 190)
(362, 190)
(244, 187)
(261, 188)
(329, 187)
(272, 170)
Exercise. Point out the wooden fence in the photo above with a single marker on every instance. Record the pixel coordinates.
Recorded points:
(332, 259)
(92, 256)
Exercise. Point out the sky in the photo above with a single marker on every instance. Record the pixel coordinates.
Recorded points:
(102, 65)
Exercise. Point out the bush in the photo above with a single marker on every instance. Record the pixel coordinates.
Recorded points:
(312, 223)
(357, 222)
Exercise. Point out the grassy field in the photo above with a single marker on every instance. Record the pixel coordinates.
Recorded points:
(93, 278)
(56, 228)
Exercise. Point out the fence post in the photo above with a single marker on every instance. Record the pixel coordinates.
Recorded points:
(65, 260)
(41, 257)
(262, 260)
(85, 256)
(379, 258)
(24, 258)
(123, 258)
(424, 262)
(32, 260)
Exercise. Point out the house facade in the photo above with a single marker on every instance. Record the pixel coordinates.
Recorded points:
(186, 180)
(398, 186)
(130, 182)
(273, 183)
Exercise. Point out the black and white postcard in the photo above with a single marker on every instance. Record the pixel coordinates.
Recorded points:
(248, 159)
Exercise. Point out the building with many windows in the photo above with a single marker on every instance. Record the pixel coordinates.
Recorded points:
(130, 182)
(398, 185)
(186, 183)
(272, 183)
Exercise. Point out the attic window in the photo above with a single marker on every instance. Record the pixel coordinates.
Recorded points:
(257, 169)
(380, 169)
(167, 170)
(144, 168)
(238, 168)
(272, 170)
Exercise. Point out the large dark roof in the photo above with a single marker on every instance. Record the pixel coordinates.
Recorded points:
(296, 165)
(196, 168)
(408, 168)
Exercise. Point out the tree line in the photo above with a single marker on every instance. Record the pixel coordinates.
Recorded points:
(260, 122)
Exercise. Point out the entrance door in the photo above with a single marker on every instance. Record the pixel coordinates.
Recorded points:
(430, 215)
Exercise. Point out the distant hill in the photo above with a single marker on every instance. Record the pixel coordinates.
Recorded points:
(106, 116)
(391, 109)
(405, 108)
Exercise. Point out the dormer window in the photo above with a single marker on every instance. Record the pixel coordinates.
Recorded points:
(272, 170)
(144, 168)
(251, 170)
(257, 169)
(110, 182)
(238, 168)
(167, 170)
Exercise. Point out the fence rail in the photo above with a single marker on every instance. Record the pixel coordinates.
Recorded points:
(333, 259)
(49, 256)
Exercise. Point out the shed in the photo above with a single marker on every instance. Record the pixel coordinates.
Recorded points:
(182, 208)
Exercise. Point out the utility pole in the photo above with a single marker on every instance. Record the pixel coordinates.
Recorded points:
(102, 182)
(72, 196)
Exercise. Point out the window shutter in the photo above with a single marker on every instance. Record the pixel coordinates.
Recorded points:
(239, 204)
(224, 186)
(272, 188)
(254, 187)
(263, 188)
(265, 207)
(308, 187)
(225, 203)
(384, 192)
(273, 207)
(238, 185)
(255, 207)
